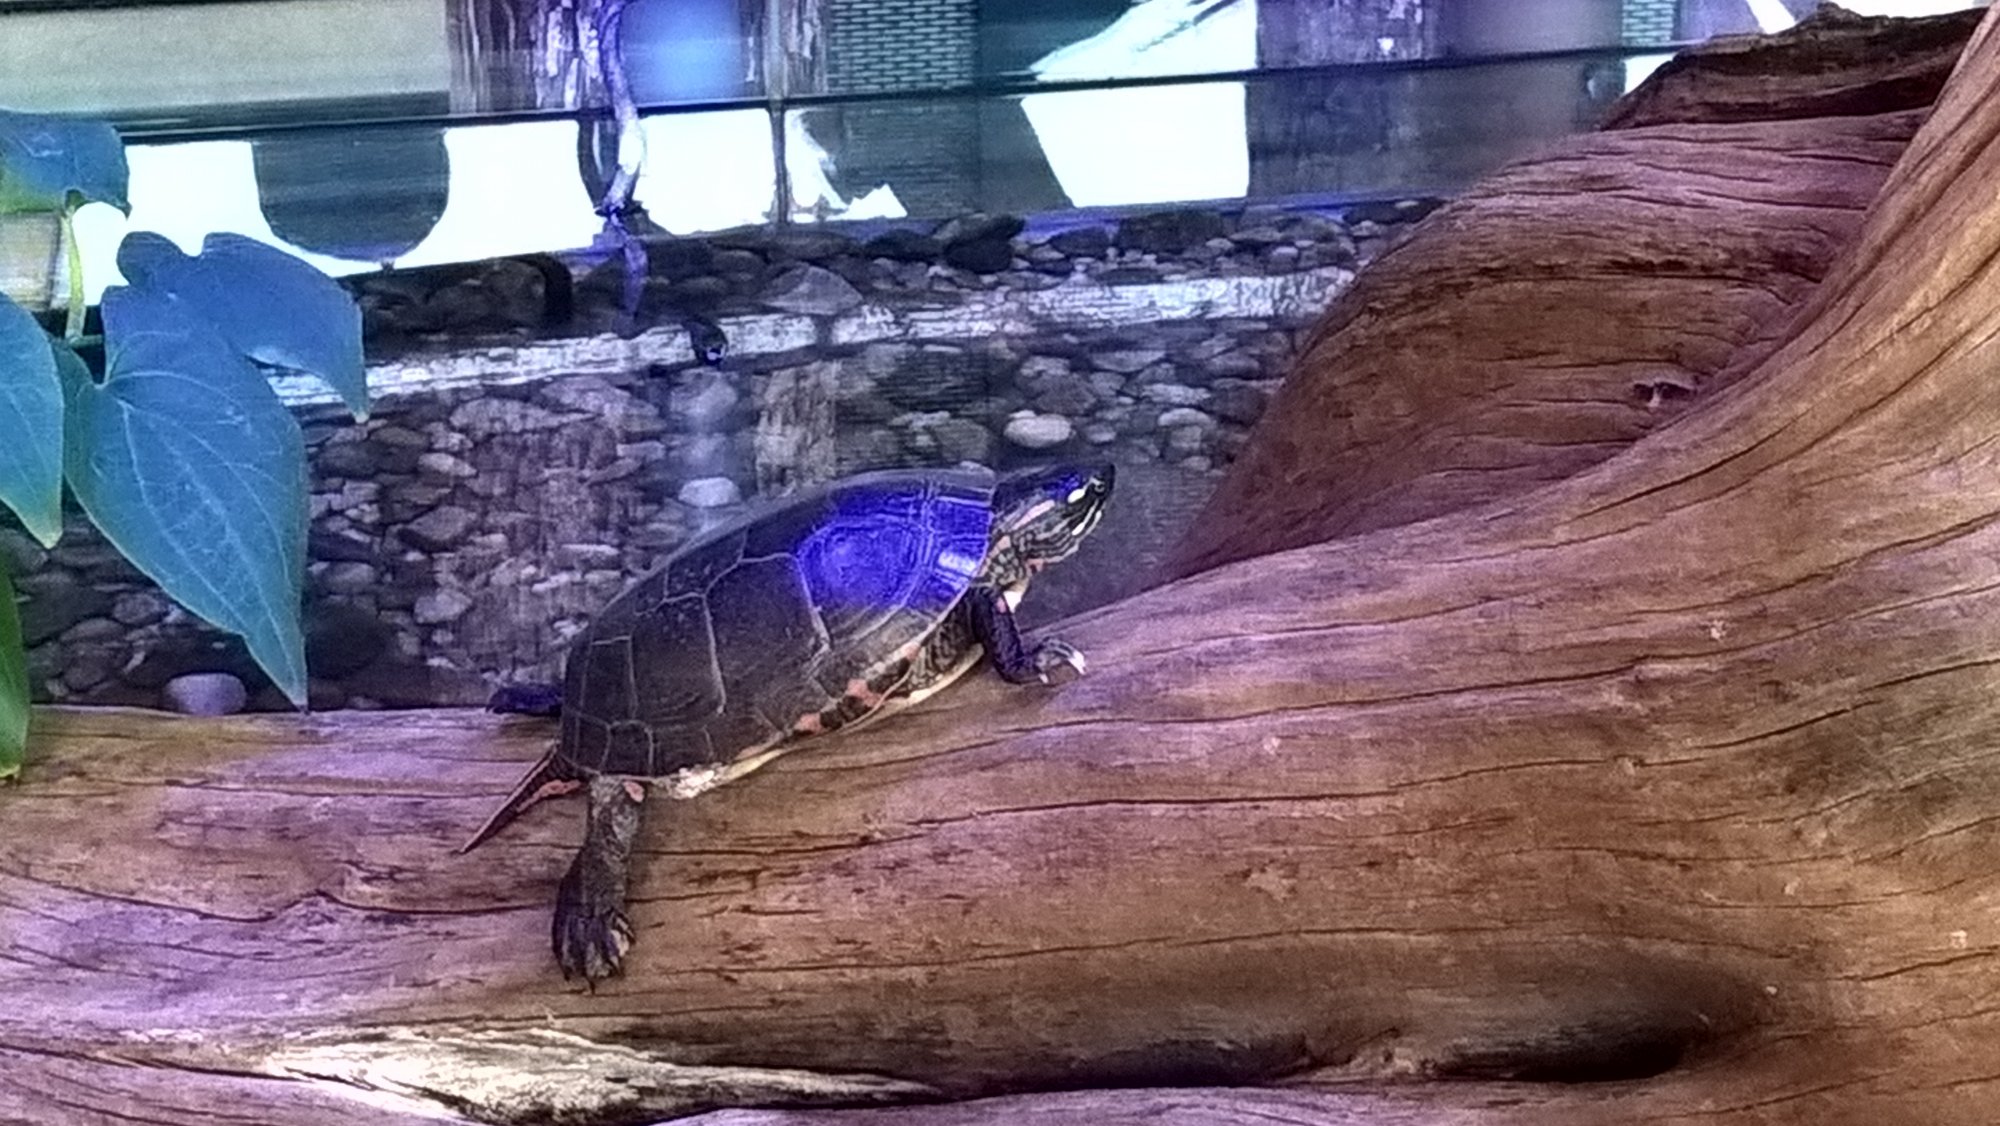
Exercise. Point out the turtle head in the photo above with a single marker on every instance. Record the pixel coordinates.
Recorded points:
(1045, 513)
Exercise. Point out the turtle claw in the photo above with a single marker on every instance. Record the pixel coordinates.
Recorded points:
(590, 932)
(1059, 662)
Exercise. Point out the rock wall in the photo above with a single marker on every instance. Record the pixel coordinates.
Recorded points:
(531, 452)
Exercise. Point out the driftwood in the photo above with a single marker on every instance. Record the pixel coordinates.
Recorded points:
(1664, 794)
(1574, 302)
(1831, 64)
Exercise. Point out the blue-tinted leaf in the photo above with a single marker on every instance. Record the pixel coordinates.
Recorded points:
(13, 684)
(46, 160)
(191, 465)
(272, 307)
(30, 425)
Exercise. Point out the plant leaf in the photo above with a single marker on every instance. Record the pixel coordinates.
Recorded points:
(44, 161)
(13, 684)
(31, 419)
(270, 306)
(193, 467)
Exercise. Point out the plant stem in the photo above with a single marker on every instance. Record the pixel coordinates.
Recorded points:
(73, 329)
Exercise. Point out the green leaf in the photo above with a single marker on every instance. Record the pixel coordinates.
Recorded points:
(193, 467)
(31, 419)
(272, 307)
(13, 684)
(58, 163)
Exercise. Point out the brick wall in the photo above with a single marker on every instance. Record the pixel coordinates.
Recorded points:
(875, 45)
(1646, 22)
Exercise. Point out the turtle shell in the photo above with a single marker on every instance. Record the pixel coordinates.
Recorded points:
(749, 634)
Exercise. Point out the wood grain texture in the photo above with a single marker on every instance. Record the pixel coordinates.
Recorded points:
(1544, 321)
(1679, 775)
(1573, 302)
(1833, 63)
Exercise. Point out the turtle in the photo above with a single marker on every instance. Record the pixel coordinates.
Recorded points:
(827, 608)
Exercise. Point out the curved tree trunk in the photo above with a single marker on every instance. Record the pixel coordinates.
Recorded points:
(1681, 776)
(1573, 302)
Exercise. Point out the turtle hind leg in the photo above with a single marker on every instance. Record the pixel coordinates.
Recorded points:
(1051, 662)
(590, 931)
(548, 778)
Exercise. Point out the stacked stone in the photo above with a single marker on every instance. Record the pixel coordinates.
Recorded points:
(463, 534)
(821, 270)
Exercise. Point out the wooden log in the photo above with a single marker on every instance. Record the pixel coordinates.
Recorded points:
(1543, 322)
(1573, 302)
(1678, 776)
(1833, 63)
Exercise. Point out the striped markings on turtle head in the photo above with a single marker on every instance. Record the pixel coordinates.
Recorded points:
(1043, 514)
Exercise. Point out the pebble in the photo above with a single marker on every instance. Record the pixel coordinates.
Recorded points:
(588, 555)
(399, 437)
(350, 578)
(92, 631)
(440, 606)
(440, 529)
(588, 394)
(1176, 394)
(205, 693)
(139, 608)
(812, 291)
(1234, 365)
(345, 459)
(710, 492)
(1038, 431)
(1185, 416)
(446, 466)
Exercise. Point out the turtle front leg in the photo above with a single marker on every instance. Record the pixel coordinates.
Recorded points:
(1051, 662)
(591, 932)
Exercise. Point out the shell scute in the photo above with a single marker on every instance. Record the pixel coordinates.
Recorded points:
(673, 673)
(692, 570)
(754, 633)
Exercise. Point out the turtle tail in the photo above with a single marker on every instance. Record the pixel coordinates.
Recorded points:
(548, 778)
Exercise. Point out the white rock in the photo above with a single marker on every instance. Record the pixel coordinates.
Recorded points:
(1176, 394)
(589, 554)
(812, 291)
(589, 394)
(1039, 431)
(1185, 416)
(710, 492)
(439, 606)
(205, 693)
(350, 578)
(445, 466)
